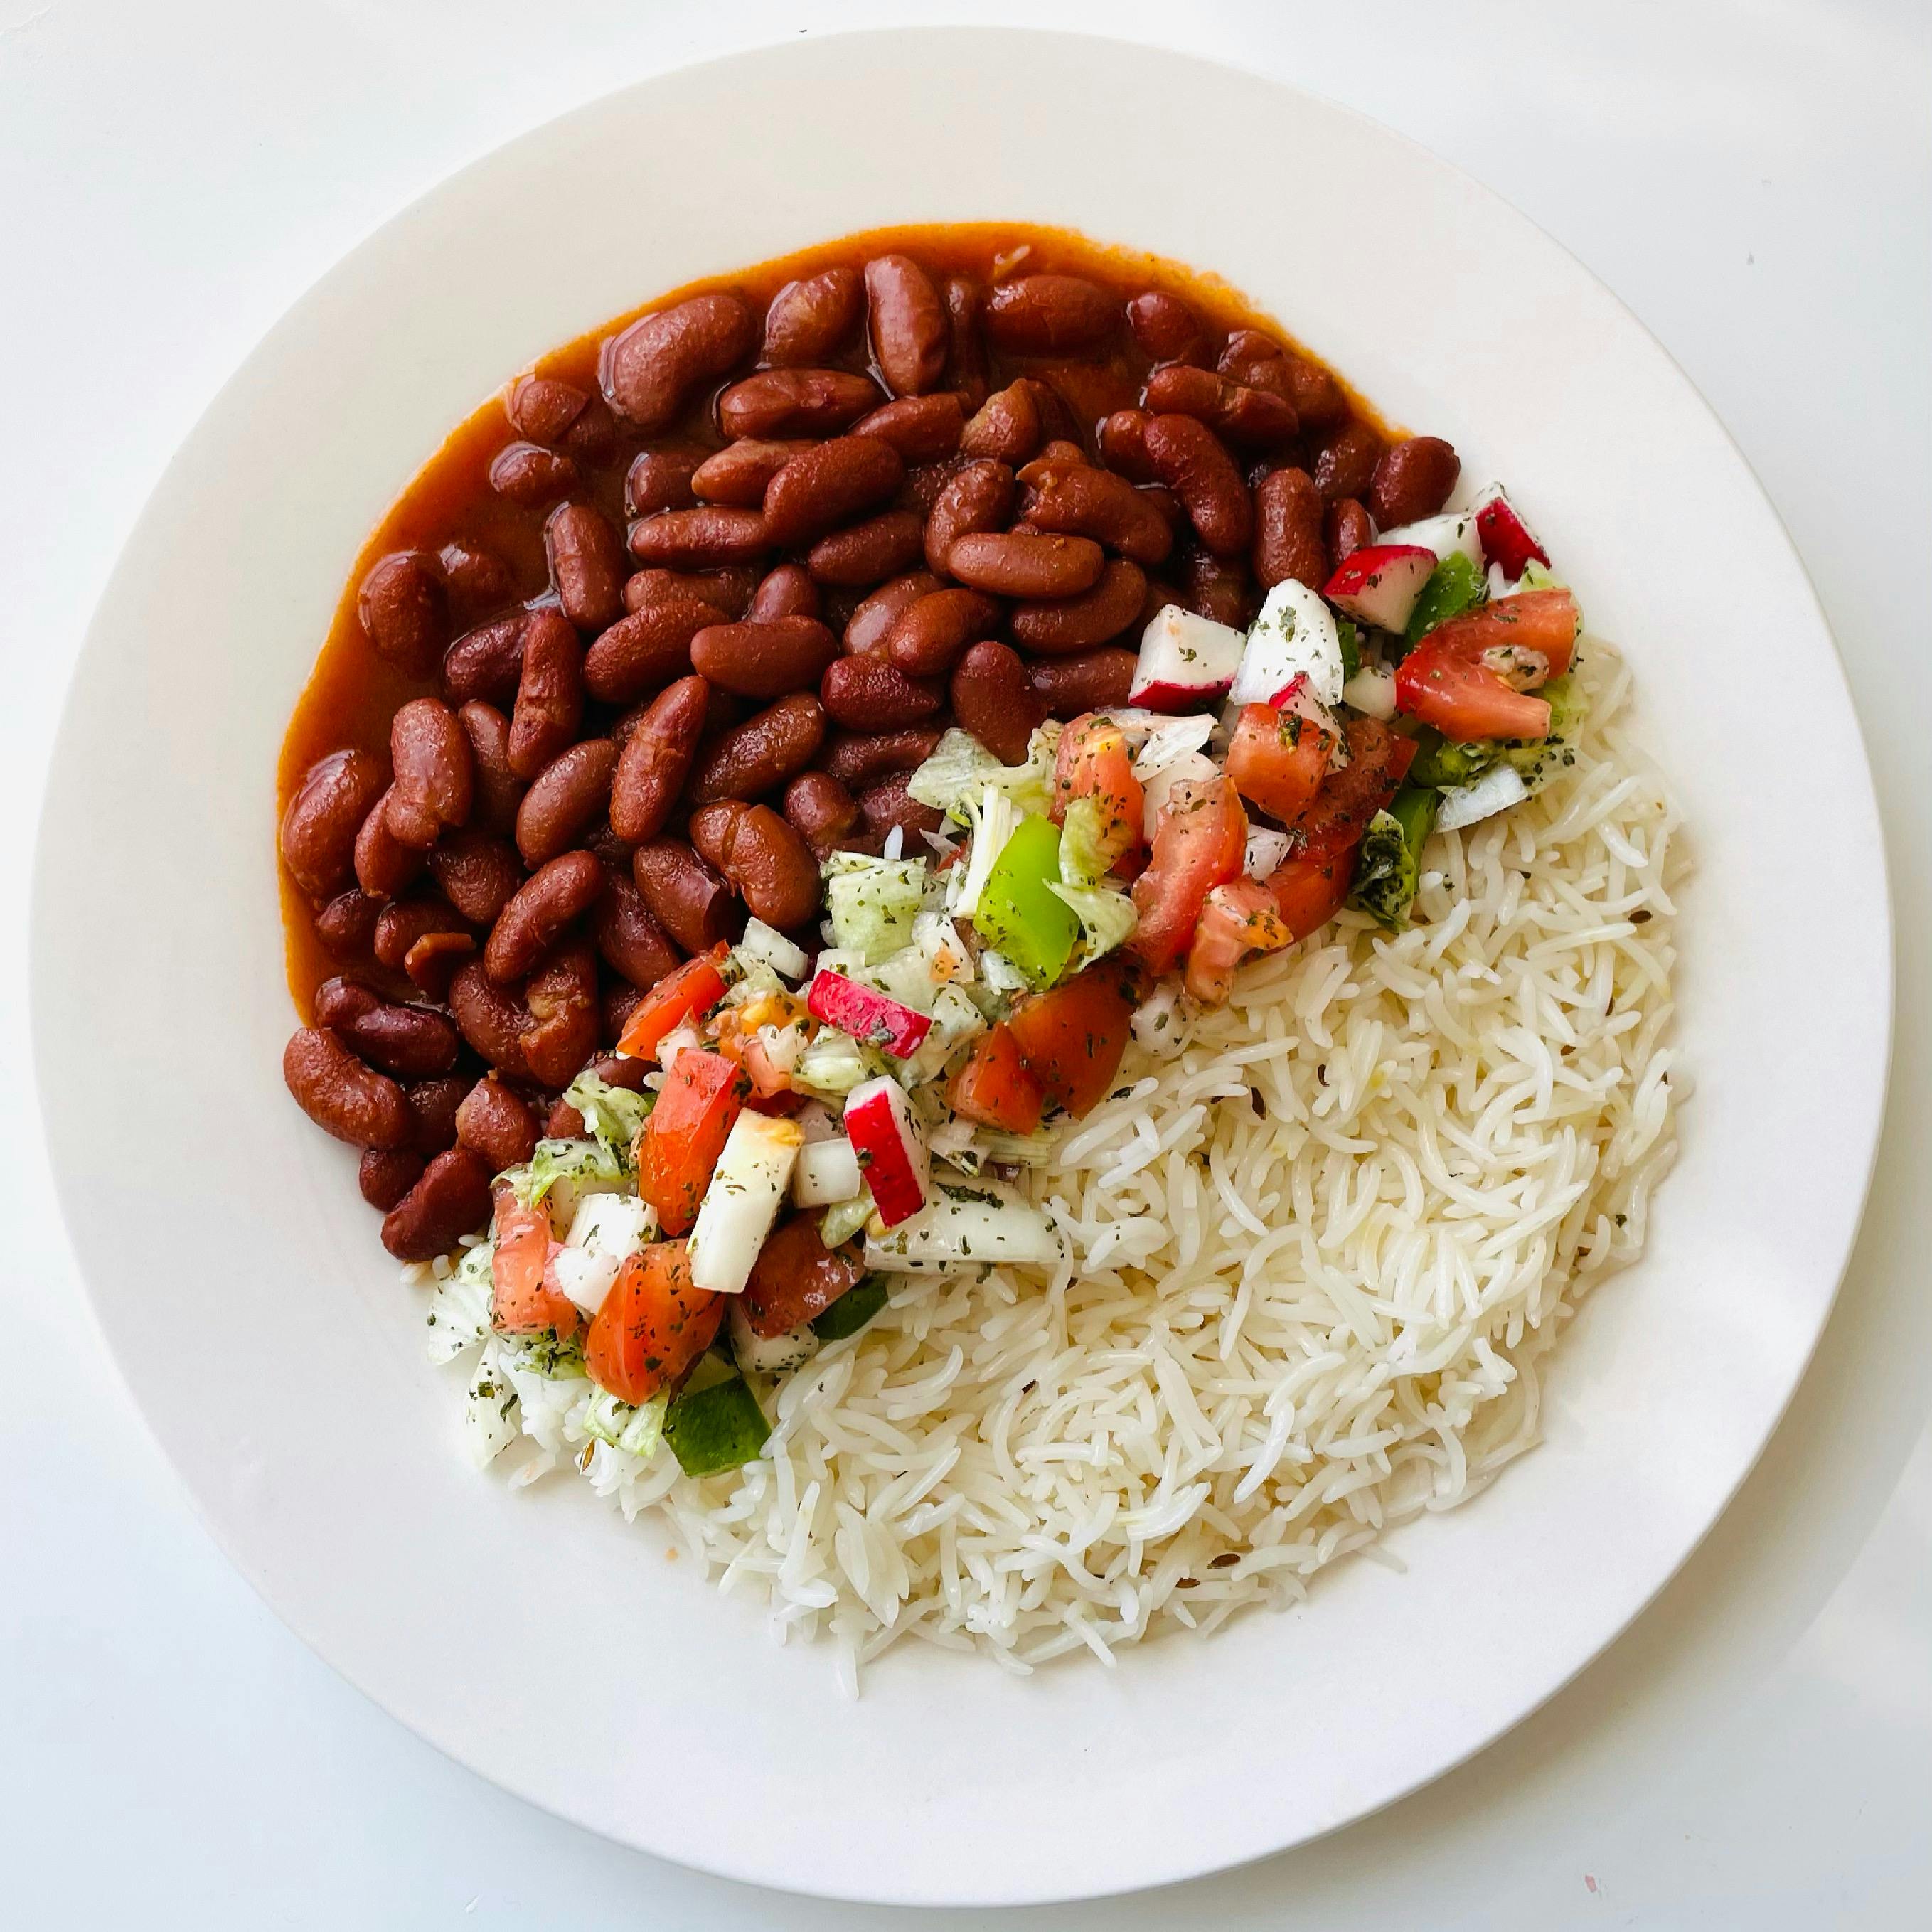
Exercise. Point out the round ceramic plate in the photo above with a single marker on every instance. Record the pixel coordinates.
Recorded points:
(236, 1274)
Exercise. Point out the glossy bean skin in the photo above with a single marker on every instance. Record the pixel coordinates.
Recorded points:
(1258, 361)
(629, 940)
(1026, 563)
(857, 759)
(888, 806)
(787, 592)
(932, 634)
(908, 323)
(476, 580)
(1007, 426)
(1288, 512)
(922, 429)
(497, 791)
(1076, 500)
(318, 829)
(827, 485)
(1092, 681)
(385, 1175)
(1412, 480)
(1191, 460)
(347, 924)
(765, 751)
(541, 408)
(995, 700)
(1345, 465)
(566, 799)
(543, 907)
(1060, 627)
(1166, 328)
(486, 663)
(527, 474)
(410, 1042)
(1346, 528)
(650, 647)
(820, 810)
(1123, 441)
(979, 498)
(868, 553)
(965, 303)
(435, 773)
(434, 1104)
(1219, 587)
(1252, 418)
(495, 1125)
(869, 694)
(549, 692)
(479, 874)
(451, 1200)
(434, 958)
(656, 759)
(404, 923)
(652, 369)
(761, 855)
(586, 564)
(712, 534)
(341, 1096)
(490, 1017)
(1045, 315)
(727, 589)
(684, 894)
(384, 865)
(764, 660)
(809, 320)
(660, 479)
(562, 996)
(403, 611)
(871, 624)
(796, 402)
(738, 473)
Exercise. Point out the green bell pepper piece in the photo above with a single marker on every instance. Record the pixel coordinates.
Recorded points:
(1438, 762)
(852, 1310)
(1455, 585)
(1033, 927)
(717, 1428)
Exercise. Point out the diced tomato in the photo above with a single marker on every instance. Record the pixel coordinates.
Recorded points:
(693, 989)
(996, 1087)
(1278, 758)
(796, 1278)
(1473, 677)
(1335, 819)
(1072, 1038)
(1200, 839)
(1093, 762)
(653, 1324)
(1237, 920)
(522, 1302)
(704, 1093)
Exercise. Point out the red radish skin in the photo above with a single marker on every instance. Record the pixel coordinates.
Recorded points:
(1507, 540)
(866, 1014)
(1380, 583)
(1187, 663)
(879, 1124)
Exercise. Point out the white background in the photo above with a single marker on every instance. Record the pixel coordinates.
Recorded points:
(1755, 179)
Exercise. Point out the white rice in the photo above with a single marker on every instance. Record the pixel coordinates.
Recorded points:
(1320, 1241)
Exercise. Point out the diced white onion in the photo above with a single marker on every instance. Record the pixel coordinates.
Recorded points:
(765, 943)
(827, 1170)
(1267, 849)
(1372, 692)
(1499, 788)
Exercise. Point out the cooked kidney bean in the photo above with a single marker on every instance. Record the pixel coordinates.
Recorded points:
(820, 810)
(755, 757)
(479, 874)
(550, 693)
(385, 1175)
(764, 659)
(435, 774)
(907, 324)
(1122, 438)
(587, 565)
(494, 1124)
(1166, 328)
(651, 646)
(341, 1096)
(347, 923)
(410, 1042)
(384, 865)
(490, 1017)
(566, 799)
(1061, 627)
(342, 1000)
(1026, 563)
(922, 429)
(532, 476)
(1053, 459)
(995, 701)
(738, 473)
(727, 589)
(593, 435)
(656, 759)
(1044, 315)
(764, 857)
(858, 759)
(404, 923)
(1006, 426)
(401, 606)
(1076, 500)
(630, 940)
(966, 353)
(871, 623)
(452, 1199)
(1346, 528)
(1093, 681)
(318, 829)
(561, 995)
(1189, 458)
(684, 894)
(809, 318)
(1260, 362)
(541, 408)
(486, 662)
(927, 640)
(869, 694)
(825, 485)
(1345, 465)
(869, 552)
(497, 791)
(796, 402)
(1412, 480)
(1251, 417)
(888, 806)
(1288, 531)
(979, 498)
(543, 907)
(654, 367)
(476, 579)
(1219, 587)
(660, 479)
(787, 592)
(696, 539)
(434, 958)
(434, 1104)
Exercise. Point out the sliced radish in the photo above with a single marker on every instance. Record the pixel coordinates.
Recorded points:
(827, 1170)
(971, 1228)
(1186, 661)
(1507, 542)
(1380, 582)
(1267, 851)
(747, 1188)
(1293, 637)
(1372, 692)
(892, 1155)
(1499, 788)
(1442, 536)
(866, 1014)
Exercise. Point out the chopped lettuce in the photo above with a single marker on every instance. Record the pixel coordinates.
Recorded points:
(1083, 861)
(873, 902)
(635, 1431)
(995, 819)
(832, 1066)
(844, 1219)
(1107, 918)
(586, 1165)
(614, 1115)
(961, 769)
(1540, 759)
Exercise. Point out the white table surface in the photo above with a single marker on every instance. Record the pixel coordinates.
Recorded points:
(1755, 179)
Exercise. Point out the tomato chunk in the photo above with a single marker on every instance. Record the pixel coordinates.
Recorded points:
(1278, 758)
(653, 1325)
(1335, 819)
(694, 988)
(996, 1087)
(1072, 1039)
(1237, 920)
(1093, 762)
(796, 1278)
(1309, 890)
(522, 1302)
(704, 1093)
(1200, 839)
(1475, 677)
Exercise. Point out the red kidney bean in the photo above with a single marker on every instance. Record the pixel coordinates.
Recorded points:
(922, 429)
(980, 497)
(759, 755)
(871, 624)
(493, 1123)
(1346, 528)
(764, 660)
(888, 806)
(907, 324)
(434, 958)
(927, 641)
(498, 791)
(966, 351)
(1190, 460)
(531, 476)
(594, 435)
(660, 479)
(435, 774)
(684, 894)
(653, 368)
(737, 474)
(1122, 438)
(1166, 328)
(401, 605)
(1345, 465)
(620, 1000)
(696, 539)
(809, 318)
(318, 829)
(434, 1104)
(550, 693)
(1046, 315)
(479, 875)
(486, 663)
(1006, 426)
(819, 809)
(1288, 531)
(1076, 500)
(1060, 627)
(490, 1017)
(727, 589)
(825, 485)
(566, 799)
(867, 552)
(1026, 563)
(859, 759)
(1093, 681)
(786, 592)
(587, 565)
(347, 924)
(542, 408)
(543, 907)
(656, 759)
(1219, 587)
(384, 865)
(996, 701)
(761, 855)
(401, 925)
(867, 694)
(1260, 362)
(651, 646)
(385, 1175)
(1054, 459)
(1412, 480)
(796, 402)
(342, 1000)
(1252, 418)
(411, 1042)
(341, 1096)
(452, 1199)
(475, 578)
(630, 940)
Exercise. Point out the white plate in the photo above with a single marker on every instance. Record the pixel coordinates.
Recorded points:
(237, 1275)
